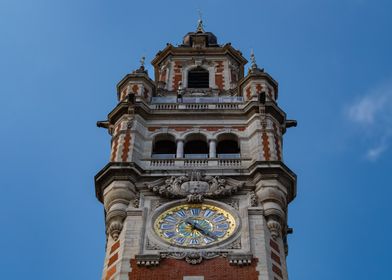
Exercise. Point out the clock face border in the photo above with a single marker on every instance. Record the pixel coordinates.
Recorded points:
(160, 211)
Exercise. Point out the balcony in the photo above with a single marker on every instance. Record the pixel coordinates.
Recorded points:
(197, 106)
(196, 100)
(197, 103)
(184, 163)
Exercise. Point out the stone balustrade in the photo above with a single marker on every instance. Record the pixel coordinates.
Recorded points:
(196, 106)
(185, 163)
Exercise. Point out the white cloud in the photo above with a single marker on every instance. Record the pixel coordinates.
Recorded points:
(364, 111)
(373, 114)
(374, 153)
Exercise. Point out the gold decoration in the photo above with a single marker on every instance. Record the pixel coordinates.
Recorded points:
(195, 225)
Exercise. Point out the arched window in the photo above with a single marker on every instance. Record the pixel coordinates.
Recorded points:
(164, 146)
(198, 78)
(228, 146)
(196, 146)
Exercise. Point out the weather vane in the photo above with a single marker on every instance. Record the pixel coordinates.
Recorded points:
(200, 22)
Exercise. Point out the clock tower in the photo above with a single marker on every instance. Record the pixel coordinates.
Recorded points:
(196, 187)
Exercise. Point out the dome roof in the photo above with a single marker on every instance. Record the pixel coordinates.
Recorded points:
(210, 38)
(207, 39)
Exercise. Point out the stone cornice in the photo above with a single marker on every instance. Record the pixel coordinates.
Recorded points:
(276, 170)
(121, 171)
(248, 110)
(130, 171)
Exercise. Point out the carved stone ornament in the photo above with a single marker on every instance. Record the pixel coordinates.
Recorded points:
(195, 187)
(193, 257)
(235, 203)
(236, 244)
(115, 228)
(253, 199)
(114, 223)
(240, 259)
(152, 246)
(136, 201)
(200, 92)
(157, 202)
(147, 260)
(275, 228)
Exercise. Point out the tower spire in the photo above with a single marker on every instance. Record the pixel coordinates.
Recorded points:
(253, 59)
(253, 65)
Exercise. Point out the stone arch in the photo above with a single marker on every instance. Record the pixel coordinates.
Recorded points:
(228, 145)
(187, 133)
(163, 131)
(196, 146)
(163, 146)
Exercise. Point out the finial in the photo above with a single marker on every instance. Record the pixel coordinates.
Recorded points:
(141, 68)
(142, 60)
(200, 23)
(253, 60)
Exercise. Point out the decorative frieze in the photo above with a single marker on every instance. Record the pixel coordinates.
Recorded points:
(193, 257)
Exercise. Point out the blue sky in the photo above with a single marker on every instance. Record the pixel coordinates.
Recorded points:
(60, 62)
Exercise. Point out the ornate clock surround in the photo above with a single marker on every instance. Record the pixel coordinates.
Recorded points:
(152, 235)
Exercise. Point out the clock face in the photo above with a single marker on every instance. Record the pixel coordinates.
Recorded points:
(195, 225)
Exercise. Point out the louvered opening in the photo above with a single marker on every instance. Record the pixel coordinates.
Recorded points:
(198, 78)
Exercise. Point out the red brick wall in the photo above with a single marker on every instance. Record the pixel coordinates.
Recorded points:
(177, 75)
(111, 267)
(266, 150)
(219, 78)
(135, 89)
(277, 142)
(214, 269)
(127, 143)
(276, 264)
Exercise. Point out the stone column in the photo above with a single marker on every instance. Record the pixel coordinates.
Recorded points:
(212, 148)
(180, 148)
